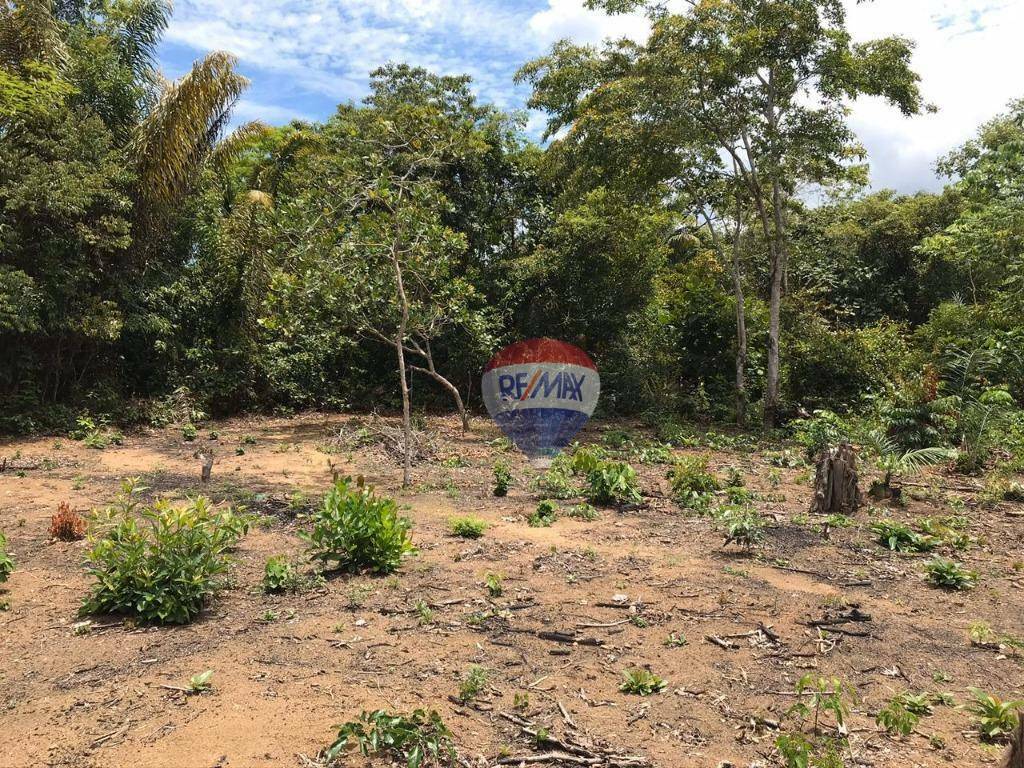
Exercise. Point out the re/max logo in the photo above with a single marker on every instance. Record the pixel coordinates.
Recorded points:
(564, 385)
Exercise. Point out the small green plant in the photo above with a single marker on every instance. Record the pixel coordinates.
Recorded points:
(641, 682)
(996, 718)
(613, 482)
(468, 527)
(692, 482)
(544, 516)
(823, 695)
(200, 683)
(676, 640)
(896, 718)
(741, 526)
(949, 575)
(6, 563)
(356, 530)
(584, 511)
(795, 750)
(493, 583)
(521, 701)
(417, 739)
(281, 575)
(472, 684)
(189, 433)
(159, 563)
(899, 537)
(424, 612)
(557, 482)
(502, 478)
(248, 440)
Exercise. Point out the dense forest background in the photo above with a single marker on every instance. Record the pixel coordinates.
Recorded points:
(698, 222)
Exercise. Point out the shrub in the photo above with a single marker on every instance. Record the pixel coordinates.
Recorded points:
(66, 525)
(692, 482)
(356, 530)
(586, 459)
(949, 575)
(493, 583)
(742, 526)
(822, 430)
(473, 683)
(6, 563)
(899, 537)
(418, 738)
(583, 511)
(545, 514)
(557, 482)
(502, 478)
(641, 682)
(613, 482)
(281, 575)
(996, 718)
(467, 527)
(158, 563)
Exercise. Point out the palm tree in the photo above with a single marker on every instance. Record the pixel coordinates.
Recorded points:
(896, 462)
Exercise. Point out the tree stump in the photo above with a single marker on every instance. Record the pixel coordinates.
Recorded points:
(835, 482)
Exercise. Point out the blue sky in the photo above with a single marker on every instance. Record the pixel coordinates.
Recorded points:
(303, 58)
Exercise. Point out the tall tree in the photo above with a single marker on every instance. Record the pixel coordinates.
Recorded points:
(763, 82)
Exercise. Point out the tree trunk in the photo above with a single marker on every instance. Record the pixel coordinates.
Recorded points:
(835, 482)
(741, 321)
(406, 414)
(403, 374)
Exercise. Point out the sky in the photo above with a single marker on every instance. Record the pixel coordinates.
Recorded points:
(304, 57)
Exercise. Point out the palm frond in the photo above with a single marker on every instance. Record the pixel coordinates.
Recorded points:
(138, 26)
(29, 31)
(919, 458)
(235, 143)
(179, 134)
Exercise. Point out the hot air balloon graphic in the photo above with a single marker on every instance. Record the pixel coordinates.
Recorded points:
(541, 392)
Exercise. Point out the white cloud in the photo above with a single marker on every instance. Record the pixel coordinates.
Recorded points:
(967, 52)
(249, 109)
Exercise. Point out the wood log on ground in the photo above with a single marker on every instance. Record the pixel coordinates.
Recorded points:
(835, 482)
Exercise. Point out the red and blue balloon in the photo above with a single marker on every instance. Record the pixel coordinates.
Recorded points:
(541, 392)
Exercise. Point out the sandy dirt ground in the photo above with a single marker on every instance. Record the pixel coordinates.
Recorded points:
(288, 669)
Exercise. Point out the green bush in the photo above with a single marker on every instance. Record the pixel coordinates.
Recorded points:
(692, 484)
(899, 537)
(949, 575)
(356, 530)
(467, 527)
(6, 563)
(502, 478)
(545, 514)
(417, 739)
(158, 563)
(612, 482)
(281, 575)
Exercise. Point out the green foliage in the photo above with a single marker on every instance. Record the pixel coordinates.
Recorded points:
(493, 582)
(557, 482)
(6, 563)
(419, 738)
(823, 695)
(356, 530)
(742, 526)
(544, 516)
(692, 482)
(641, 682)
(823, 430)
(612, 482)
(280, 574)
(949, 575)
(189, 433)
(158, 563)
(900, 537)
(200, 682)
(996, 718)
(502, 477)
(583, 511)
(467, 527)
(473, 683)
